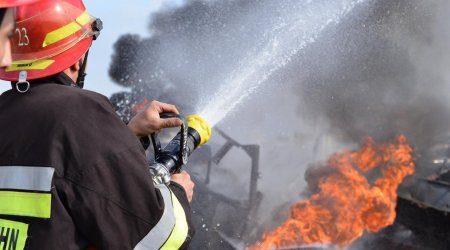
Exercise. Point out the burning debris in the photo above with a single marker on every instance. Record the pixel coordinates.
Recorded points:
(424, 198)
(348, 202)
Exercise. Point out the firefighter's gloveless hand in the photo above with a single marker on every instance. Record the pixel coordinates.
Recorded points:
(147, 121)
(184, 179)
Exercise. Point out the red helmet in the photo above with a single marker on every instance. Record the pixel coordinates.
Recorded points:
(50, 36)
(13, 3)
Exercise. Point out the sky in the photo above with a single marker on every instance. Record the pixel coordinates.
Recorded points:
(119, 17)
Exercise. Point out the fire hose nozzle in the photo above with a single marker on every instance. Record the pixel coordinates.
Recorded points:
(201, 126)
(176, 152)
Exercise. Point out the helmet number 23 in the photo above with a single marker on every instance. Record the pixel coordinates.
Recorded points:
(23, 37)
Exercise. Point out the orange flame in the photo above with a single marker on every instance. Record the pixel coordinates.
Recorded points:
(347, 204)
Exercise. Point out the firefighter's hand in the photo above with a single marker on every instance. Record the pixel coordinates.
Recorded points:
(184, 179)
(147, 121)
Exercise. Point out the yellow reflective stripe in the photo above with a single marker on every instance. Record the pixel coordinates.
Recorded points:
(180, 231)
(67, 30)
(84, 18)
(25, 204)
(14, 234)
(29, 65)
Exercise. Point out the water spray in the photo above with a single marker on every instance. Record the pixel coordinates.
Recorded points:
(195, 131)
(284, 42)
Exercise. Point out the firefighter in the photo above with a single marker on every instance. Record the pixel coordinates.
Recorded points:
(7, 28)
(72, 174)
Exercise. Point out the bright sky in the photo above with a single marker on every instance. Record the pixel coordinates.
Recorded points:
(119, 17)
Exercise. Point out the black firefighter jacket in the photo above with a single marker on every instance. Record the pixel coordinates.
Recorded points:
(72, 175)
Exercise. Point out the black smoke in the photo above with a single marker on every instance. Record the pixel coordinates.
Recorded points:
(382, 74)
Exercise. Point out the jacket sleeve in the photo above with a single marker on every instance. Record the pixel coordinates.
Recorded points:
(107, 187)
(180, 194)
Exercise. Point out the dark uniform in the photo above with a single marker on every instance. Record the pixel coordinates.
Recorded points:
(73, 175)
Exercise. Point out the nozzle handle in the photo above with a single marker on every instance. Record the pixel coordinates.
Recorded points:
(184, 130)
(165, 115)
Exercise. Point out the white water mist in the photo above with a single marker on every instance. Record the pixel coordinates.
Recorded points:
(281, 43)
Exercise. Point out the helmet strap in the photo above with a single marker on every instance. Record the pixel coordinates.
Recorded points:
(82, 72)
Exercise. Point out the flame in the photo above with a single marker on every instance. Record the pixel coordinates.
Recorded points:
(347, 204)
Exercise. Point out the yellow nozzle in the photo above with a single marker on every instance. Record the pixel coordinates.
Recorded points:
(201, 126)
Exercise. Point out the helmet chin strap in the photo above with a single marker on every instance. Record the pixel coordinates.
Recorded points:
(82, 73)
(97, 26)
